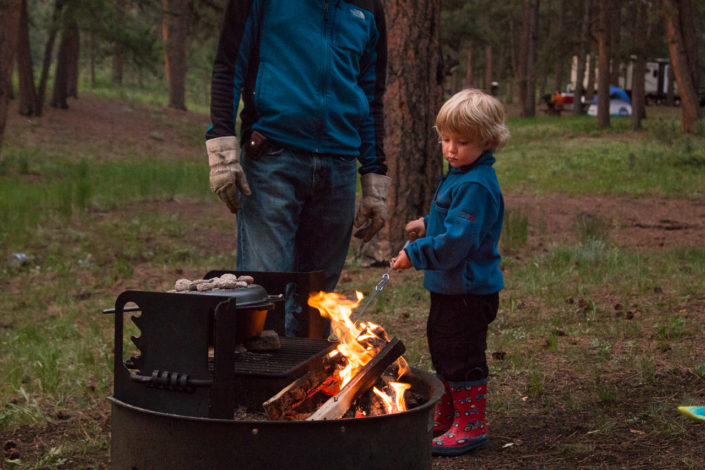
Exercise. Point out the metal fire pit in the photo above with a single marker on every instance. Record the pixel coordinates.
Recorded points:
(173, 404)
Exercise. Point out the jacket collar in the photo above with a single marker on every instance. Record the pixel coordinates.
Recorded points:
(486, 158)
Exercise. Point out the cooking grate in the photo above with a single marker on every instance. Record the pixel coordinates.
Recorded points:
(290, 360)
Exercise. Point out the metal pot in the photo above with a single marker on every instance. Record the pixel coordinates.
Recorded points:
(252, 302)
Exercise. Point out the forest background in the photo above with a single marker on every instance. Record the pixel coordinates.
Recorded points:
(102, 188)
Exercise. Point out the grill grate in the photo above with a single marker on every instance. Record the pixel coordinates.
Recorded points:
(292, 359)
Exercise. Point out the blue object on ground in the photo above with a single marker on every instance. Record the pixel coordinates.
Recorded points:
(695, 412)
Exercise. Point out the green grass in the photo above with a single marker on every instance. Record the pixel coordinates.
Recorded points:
(600, 337)
(568, 155)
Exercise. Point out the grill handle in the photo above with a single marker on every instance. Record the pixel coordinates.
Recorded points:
(175, 381)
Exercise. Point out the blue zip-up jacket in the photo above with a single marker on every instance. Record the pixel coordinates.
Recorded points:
(459, 252)
(311, 74)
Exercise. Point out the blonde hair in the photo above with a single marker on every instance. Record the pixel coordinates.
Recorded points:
(476, 116)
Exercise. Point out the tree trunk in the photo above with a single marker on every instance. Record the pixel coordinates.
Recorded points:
(68, 47)
(670, 87)
(592, 72)
(9, 27)
(527, 58)
(413, 98)
(74, 54)
(469, 77)
(66, 74)
(690, 39)
(513, 60)
(615, 20)
(603, 73)
(488, 67)
(583, 42)
(118, 49)
(48, 52)
(530, 104)
(174, 34)
(560, 59)
(523, 62)
(638, 79)
(25, 72)
(673, 17)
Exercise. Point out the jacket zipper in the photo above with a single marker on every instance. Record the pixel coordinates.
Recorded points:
(324, 78)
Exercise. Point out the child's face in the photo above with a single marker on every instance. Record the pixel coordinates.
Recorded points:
(459, 150)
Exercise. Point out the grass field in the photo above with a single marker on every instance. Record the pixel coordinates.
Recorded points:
(598, 339)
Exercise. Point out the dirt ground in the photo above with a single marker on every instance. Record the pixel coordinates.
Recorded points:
(648, 223)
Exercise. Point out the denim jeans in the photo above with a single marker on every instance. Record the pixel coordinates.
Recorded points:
(298, 218)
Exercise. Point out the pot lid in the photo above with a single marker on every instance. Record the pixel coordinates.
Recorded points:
(253, 295)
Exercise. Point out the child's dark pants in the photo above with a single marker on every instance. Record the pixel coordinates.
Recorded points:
(457, 334)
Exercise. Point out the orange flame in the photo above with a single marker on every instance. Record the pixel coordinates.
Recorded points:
(358, 343)
(393, 399)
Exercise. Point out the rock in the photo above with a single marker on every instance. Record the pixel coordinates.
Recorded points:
(268, 340)
(183, 285)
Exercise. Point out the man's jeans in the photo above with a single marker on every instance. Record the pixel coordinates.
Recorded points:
(298, 218)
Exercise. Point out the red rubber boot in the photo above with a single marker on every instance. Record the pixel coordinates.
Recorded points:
(444, 412)
(468, 431)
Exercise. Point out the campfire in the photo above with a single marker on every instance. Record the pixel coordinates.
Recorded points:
(196, 367)
(356, 379)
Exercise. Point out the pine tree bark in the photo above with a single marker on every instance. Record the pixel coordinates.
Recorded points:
(560, 59)
(66, 75)
(9, 26)
(413, 97)
(175, 37)
(527, 58)
(638, 81)
(583, 45)
(592, 71)
(488, 67)
(603, 73)
(690, 38)
(469, 70)
(118, 49)
(615, 19)
(48, 51)
(28, 90)
(674, 18)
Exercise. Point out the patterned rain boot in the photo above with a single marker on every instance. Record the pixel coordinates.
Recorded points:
(468, 431)
(444, 412)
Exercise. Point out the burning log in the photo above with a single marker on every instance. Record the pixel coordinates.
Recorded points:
(317, 394)
(336, 406)
(300, 398)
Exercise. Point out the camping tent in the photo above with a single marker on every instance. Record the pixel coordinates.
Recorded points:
(616, 93)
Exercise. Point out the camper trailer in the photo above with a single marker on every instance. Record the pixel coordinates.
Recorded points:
(656, 79)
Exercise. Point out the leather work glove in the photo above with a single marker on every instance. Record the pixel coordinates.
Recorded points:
(226, 175)
(372, 213)
(415, 229)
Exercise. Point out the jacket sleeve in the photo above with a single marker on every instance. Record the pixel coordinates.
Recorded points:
(228, 76)
(373, 72)
(462, 231)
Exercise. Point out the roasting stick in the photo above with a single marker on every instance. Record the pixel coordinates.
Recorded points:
(380, 285)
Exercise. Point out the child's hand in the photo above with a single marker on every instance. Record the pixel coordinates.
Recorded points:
(415, 229)
(401, 261)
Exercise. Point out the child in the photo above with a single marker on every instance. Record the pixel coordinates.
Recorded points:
(456, 245)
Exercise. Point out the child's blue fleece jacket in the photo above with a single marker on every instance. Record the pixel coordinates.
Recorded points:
(459, 252)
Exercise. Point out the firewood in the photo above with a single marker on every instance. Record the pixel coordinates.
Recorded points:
(337, 405)
(299, 399)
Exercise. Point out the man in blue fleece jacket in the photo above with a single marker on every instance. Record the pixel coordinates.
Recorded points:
(456, 246)
(311, 77)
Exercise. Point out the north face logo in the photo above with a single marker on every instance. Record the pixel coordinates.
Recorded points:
(358, 13)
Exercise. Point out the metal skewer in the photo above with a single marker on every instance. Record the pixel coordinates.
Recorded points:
(380, 285)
